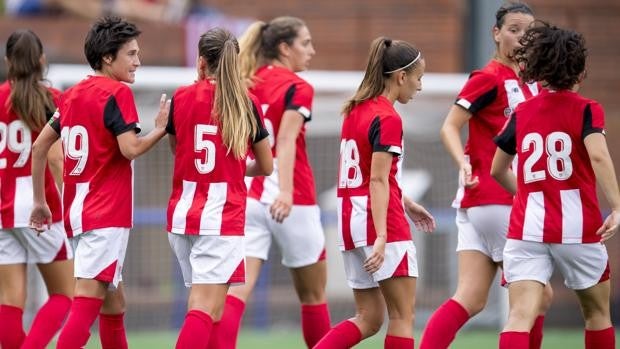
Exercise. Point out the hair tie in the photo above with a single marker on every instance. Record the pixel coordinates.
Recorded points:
(388, 42)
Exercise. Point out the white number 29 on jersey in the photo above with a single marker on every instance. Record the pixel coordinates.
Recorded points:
(558, 146)
(75, 142)
(16, 136)
(350, 175)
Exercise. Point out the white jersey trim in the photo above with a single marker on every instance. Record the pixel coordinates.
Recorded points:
(572, 216)
(464, 103)
(77, 207)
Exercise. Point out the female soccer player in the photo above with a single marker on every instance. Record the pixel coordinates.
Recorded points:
(26, 104)
(212, 126)
(556, 221)
(282, 206)
(98, 122)
(379, 255)
(483, 207)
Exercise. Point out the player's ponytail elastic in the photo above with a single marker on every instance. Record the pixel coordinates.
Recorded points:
(232, 104)
(29, 99)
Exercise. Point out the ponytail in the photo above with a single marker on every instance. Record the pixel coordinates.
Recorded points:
(373, 82)
(249, 49)
(29, 99)
(232, 104)
(386, 57)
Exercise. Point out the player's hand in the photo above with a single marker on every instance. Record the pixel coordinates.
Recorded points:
(465, 176)
(40, 217)
(281, 207)
(161, 120)
(376, 258)
(610, 226)
(422, 219)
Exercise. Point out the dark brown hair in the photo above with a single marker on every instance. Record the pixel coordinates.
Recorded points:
(29, 98)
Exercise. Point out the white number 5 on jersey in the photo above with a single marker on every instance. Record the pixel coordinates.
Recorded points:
(207, 164)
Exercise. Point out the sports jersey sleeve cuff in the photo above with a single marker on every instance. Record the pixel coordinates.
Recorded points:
(132, 126)
(590, 131)
(305, 112)
(260, 135)
(396, 150)
(462, 102)
(504, 146)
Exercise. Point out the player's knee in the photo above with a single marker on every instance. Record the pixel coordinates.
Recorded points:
(370, 320)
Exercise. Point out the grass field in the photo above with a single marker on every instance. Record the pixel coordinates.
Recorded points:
(283, 339)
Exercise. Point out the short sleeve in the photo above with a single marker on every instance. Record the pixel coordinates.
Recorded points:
(506, 139)
(170, 125)
(299, 98)
(386, 134)
(119, 117)
(479, 91)
(120, 114)
(262, 132)
(593, 120)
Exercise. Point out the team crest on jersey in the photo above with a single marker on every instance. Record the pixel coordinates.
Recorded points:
(507, 112)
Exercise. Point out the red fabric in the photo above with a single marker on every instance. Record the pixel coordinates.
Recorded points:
(195, 331)
(343, 336)
(112, 331)
(536, 333)
(225, 332)
(603, 339)
(315, 322)
(47, 322)
(393, 342)
(11, 331)
(514, 340)
(76, 331)
(443, 325)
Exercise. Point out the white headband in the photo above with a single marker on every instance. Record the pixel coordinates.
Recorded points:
(407, 66)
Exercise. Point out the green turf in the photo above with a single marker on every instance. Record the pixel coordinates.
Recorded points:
(291, 339)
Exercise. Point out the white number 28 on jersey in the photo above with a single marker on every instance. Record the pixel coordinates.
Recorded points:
(16, 136)
(350, 175)
(75, 143)
(558, 146)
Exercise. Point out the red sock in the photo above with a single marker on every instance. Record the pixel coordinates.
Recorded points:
(343, 336)
(215, 339)
(112, 331)
(11, 327)
(228, 329)
(443, 325)
(393, 342)
(47, 322)
(195, 331)
(602, 339)
(514, 340)
(314, 322)
(76, 331)
(536, 333)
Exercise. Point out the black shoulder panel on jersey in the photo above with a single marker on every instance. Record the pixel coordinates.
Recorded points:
(587, 123)
(506, 140)
(113, 119)
(374, 136)
(261, 132)
(170, 126)
(484, 100)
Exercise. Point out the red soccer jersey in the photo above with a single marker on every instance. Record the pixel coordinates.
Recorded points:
(98, 179)
(371, 126)
(490, 95)
(278, 90)
(15, 176)
(208, 189)
(556, 188)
